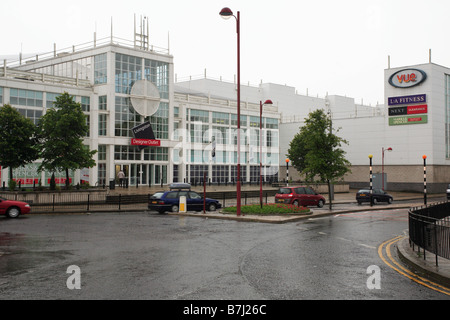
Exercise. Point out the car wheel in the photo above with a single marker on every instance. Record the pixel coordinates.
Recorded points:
(13, 212)
(375, 200)
(295, 203)
(321, 203)
(174, 208)
(390, 200)
(212, 207)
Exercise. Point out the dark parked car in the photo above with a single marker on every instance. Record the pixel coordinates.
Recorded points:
(13, 209)
(299, 196)
(170, 201)
(378, 195)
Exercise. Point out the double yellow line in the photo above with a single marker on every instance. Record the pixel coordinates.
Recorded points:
(392, 263)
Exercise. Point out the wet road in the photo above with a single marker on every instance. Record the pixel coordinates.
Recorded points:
(150, 256)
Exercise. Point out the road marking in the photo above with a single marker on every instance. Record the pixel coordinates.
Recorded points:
(405, 272)
(367, 246)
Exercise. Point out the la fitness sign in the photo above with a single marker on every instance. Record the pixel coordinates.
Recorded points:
(407, 78)
(408, 110)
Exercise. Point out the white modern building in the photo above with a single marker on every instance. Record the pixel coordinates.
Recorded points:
(413, 122)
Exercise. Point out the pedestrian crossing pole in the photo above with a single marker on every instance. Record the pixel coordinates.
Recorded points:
(370, 176)
(287, 172)
(424, 157)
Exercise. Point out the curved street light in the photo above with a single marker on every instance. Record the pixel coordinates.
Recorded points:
(226, 13)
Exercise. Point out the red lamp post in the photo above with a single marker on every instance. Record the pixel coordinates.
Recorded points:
(226, 13)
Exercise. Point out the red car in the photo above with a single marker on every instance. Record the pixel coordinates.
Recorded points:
(13, 209)
(299, 196)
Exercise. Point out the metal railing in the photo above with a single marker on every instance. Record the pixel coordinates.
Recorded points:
(60, 202)
(429, 229)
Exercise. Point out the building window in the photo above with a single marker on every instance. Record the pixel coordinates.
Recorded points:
(199, 133)
(86, 104)
(102, 124)
(272, 138)
(220, 134)
(197, 173)
(126, 117)
(220, 118)
(127, 153)
(101, 152)
(160, 121)
(128, 70)
(50, 99)
(220, 174)
(234, 120)
(28, 98)
(102, 103)
(33, 115)
(100, 69)
(271, 123)
(156, 154)
(199, 116)
(254, 122)
(158, 73)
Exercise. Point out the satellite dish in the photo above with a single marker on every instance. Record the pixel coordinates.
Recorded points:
(145, 98)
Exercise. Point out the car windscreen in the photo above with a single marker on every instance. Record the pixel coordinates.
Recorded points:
(284, 191)
(364, 191)
(157, 195)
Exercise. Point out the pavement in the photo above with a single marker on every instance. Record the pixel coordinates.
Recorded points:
(343, 203)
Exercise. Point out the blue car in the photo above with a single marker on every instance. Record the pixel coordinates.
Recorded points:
(170, 201)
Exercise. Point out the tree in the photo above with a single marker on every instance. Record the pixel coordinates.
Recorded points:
(315, 151)
(61, 131)
(17, 139)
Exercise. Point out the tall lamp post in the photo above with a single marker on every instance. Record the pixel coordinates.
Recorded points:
(268, 102)
(382, 165)
(226, 13)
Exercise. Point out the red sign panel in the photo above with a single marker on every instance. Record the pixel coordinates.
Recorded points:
(417, 119)
(146, 142)
(418, 109)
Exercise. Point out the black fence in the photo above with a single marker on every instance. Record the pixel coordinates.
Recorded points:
(429, 229)
(61, 202)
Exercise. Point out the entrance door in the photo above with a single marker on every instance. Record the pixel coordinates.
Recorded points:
(126, 170)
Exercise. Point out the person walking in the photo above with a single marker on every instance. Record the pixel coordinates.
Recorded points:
(121, 177)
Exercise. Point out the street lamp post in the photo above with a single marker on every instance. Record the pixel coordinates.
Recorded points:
(424, 157)
(226, 13)
(382, 165)
(370, 174)
(268, 102)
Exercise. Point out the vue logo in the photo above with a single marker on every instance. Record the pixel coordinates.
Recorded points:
(407, 78)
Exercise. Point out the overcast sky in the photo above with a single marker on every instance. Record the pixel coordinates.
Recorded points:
(325, 46)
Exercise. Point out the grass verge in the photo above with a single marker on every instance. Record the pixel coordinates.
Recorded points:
(268, 209)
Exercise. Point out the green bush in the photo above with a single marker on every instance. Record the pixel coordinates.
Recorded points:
(268, 209)
(12, 185)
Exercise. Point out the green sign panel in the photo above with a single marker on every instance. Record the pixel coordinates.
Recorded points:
(416, 119)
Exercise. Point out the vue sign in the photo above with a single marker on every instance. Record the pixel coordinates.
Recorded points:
(407, 78)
